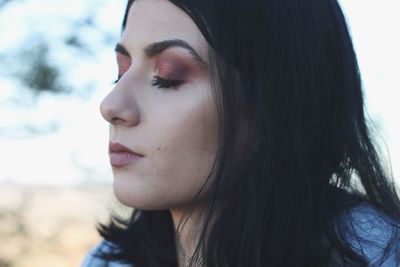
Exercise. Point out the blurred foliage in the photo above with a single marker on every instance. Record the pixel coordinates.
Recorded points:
(35, 65)
(31, 67)
(37, 73)
(45, 62)
(74, 41)
(4, 263)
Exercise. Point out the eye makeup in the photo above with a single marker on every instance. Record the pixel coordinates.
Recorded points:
(123, 63)
(172, 67)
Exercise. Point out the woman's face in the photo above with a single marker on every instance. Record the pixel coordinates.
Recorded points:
(162, 108)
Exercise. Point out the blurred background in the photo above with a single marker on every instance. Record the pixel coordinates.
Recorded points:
(57, 63)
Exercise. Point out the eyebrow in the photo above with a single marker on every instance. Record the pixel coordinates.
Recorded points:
(157, 48)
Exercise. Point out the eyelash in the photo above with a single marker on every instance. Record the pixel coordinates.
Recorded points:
(163, 83)
(160, 82)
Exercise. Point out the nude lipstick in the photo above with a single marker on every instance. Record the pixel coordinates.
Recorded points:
(121, 156)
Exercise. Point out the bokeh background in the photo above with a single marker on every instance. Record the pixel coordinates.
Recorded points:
(57, 63)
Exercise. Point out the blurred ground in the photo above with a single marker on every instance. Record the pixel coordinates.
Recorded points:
(50, 226)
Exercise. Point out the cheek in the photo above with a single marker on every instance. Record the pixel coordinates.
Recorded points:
(186, 149)
(179, 133)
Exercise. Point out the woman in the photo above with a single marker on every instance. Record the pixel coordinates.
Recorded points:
(237, 133)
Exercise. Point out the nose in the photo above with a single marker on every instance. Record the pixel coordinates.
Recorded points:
(119, 107)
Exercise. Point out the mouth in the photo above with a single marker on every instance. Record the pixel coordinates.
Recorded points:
(121, 155)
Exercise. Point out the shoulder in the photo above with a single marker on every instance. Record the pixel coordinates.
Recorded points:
(372, 234)
(93, 260)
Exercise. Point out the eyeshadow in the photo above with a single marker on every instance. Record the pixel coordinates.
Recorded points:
(173, 67)
(173, 70)
(124, 63)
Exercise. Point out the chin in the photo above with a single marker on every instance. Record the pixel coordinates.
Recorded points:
(138, 199)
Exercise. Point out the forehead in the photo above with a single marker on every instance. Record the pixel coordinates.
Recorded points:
(152, 21)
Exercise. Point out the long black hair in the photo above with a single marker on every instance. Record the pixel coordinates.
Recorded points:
(290, 101)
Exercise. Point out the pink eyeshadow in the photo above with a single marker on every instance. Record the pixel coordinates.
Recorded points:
(172, 68)
(123, 63)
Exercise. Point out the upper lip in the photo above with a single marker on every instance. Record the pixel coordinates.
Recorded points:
(117, 147)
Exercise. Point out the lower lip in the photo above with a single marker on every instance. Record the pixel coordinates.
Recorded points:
(119, 159)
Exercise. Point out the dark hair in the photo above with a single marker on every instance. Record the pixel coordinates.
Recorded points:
(290, 101)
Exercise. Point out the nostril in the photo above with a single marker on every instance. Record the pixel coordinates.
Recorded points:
(116, 120)
(107, 109)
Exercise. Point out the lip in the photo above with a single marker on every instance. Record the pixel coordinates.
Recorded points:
(120, 155)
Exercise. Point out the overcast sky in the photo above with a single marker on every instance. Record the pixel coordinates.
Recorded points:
(77, 150)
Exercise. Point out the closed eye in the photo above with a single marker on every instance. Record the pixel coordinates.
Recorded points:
(164, 83)
(159, 82)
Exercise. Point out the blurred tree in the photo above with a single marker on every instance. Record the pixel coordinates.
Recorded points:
(35, 66)
(47, 61)
(39, 74)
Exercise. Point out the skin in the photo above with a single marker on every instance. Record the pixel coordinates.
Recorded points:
(174, 128)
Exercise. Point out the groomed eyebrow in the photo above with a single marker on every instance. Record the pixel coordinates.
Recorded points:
(157, 48)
